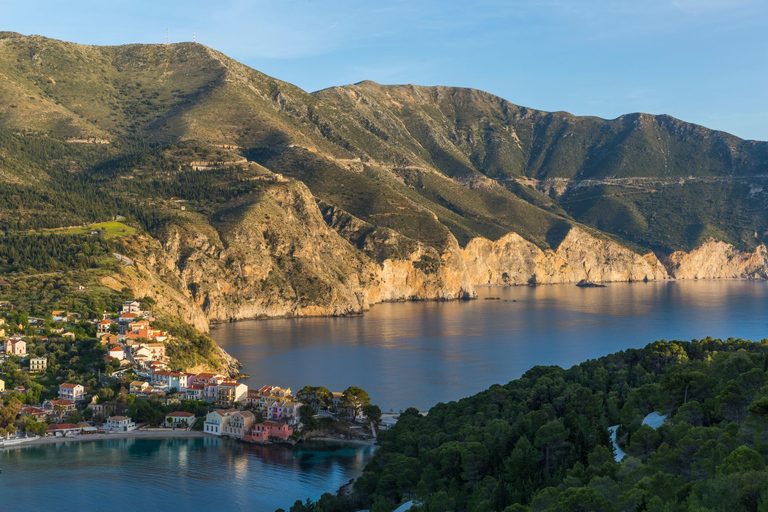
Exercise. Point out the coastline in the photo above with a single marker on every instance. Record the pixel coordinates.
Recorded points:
(217, 324)
(169, 434)
(133, 434)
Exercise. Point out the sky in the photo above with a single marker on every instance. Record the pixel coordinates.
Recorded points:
(703, 61)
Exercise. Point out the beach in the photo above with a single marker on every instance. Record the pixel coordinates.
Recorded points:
(133, 434)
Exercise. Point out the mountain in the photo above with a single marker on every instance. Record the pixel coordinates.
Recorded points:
(254, 198)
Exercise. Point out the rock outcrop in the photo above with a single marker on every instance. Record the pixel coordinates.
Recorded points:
(579, 257)
(277, 256)
(718, 260)
(283, 254)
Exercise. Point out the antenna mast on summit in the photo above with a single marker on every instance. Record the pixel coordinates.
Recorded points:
(194, 36)
(167, 36)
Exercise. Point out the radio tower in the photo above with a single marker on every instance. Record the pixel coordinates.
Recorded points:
(194, 36)
(167, 36)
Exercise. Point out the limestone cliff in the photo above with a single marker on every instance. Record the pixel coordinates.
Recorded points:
(718, 260)
(276, 255)
(281, 253)
(580, 256)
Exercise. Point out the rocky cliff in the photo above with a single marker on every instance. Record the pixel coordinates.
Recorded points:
(579, 257)
(718, 260)
(277, 256)
(283, 254)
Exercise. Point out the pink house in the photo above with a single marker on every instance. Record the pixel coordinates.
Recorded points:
(263, 431)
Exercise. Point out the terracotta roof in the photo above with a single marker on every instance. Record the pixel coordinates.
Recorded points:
(63, 426)
(62, 402)
(181, 414)
(67, 385)
(32, 410)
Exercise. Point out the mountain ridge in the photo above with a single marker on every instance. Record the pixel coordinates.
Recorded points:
(407, 192)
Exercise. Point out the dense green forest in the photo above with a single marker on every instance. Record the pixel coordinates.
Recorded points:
(541, 442)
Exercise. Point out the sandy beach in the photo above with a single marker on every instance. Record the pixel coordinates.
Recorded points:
(134, 434)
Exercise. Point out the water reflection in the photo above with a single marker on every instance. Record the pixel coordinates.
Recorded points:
(174, 473)
(416, 354)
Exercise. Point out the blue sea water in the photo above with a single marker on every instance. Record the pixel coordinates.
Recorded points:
(172, 475)
(403, 354)
(419, 353)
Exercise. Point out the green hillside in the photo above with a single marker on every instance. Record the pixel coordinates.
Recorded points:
(541, 443)
(88, 133)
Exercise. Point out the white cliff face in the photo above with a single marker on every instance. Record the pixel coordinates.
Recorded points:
(580, 256)
(718, 260)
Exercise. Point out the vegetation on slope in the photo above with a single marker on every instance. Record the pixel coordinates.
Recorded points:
(541, 443)
(89, 132)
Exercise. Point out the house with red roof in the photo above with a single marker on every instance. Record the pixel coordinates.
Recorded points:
(180, 419)
(63, 429)
(73, 392)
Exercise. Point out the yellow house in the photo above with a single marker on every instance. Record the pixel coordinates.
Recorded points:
(2, 386)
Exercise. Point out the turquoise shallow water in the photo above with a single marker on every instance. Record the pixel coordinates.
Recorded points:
(418, 354)
(172, 475)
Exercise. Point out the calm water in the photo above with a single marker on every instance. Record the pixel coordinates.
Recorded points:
(172, 475)
(418, 354)
(405, 354)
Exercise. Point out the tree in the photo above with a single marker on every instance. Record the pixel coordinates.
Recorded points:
(353, 399)
(318, 397)
(742, 458)
(307, 415)
(373, 413)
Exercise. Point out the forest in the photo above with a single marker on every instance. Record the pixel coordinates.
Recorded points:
(541, 442)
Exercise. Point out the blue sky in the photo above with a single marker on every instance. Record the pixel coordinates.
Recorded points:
(704, 61)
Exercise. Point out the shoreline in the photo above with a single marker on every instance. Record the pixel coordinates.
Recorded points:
(170, 434)
(217, 324)
(133, 434)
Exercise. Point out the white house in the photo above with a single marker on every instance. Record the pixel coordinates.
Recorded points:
(73, 392)
(169, 379)
(131, 306)
(104, 326)
(216, 421)
(120, 424)
(117, 352)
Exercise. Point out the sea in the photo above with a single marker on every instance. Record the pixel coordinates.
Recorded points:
(412, 354)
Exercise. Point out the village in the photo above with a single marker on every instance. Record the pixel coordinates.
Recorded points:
(139, 389)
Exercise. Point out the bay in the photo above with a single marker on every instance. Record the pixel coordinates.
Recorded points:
(417, 354)
(403, 354)
(173, 474)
